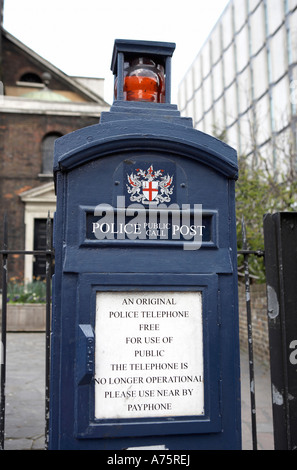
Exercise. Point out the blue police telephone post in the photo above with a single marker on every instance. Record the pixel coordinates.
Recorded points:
(145, 347)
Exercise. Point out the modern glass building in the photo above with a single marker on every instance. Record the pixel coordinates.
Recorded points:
(244, 81)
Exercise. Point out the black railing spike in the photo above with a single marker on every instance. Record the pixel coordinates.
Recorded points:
(47, 326)
(3, 333)
(250, 335)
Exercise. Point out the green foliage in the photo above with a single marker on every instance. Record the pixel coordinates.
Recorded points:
(261, 190)
(258, 193)
(20, 293)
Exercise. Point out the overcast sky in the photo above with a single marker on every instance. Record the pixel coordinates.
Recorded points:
(78, 36)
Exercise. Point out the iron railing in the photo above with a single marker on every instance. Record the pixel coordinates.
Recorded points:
(49, 254)
(246, 254)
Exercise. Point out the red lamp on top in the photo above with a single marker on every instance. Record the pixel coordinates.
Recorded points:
(142, 71)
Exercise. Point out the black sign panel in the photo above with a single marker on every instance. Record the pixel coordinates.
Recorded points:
(280, 232)
(170, 227)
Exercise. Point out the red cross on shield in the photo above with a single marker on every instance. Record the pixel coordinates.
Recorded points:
(150, 189)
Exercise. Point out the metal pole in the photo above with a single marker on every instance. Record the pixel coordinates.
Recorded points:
(47, 325)
(250, 337)
(3, 336)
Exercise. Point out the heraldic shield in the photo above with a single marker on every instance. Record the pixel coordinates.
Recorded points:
(150, 186)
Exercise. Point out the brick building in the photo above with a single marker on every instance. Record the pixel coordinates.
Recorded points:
(38, 103)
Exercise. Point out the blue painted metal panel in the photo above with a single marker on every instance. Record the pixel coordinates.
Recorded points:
(90, 169)
(108, 138)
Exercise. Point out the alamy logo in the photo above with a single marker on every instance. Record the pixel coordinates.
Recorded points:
(155, 222)
(149, 186)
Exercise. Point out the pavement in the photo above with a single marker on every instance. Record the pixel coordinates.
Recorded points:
(25, 396)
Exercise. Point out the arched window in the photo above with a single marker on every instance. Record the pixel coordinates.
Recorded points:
(30, 77)
(48, 152)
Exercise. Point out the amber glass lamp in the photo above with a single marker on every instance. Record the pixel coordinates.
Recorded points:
(142, 71)
(143, 81)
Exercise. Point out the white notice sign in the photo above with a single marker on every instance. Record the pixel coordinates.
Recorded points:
(149, 355)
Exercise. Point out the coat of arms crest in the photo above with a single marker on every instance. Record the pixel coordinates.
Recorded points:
(150, 186)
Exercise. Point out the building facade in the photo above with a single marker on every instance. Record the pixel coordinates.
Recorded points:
(38, 104)
(243, 82)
